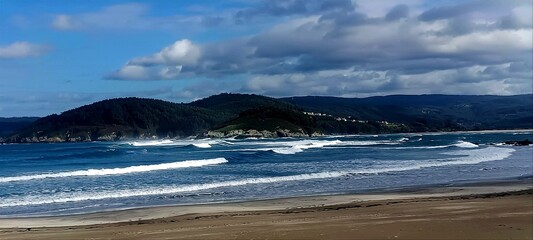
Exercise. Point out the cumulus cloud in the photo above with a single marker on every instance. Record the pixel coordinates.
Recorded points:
(131, 72)
(165, 64)
(398, 12)
(182, 52)
(336, 48)
(280, 8)
(22, 50)
(520, 17)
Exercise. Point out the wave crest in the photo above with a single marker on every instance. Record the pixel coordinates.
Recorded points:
(202, 143)
(464, 144)
(117, 171)
(462, 157)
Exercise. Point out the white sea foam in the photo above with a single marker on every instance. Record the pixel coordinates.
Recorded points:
(292, 150)
(284, 143)
(422, 147)
(202, 145)
(83, 196)
(293, 147)
(117, 171)
(461, 157)
(165, 142)
(368, 143)
(199, 143)
(464, 144)
(300, 146)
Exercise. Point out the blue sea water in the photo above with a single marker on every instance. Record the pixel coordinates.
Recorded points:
(69, 178)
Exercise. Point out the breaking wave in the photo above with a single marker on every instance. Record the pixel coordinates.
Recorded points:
(461, 157)
(293, 147)
(464, 144)
(203, 143)
(117, 171)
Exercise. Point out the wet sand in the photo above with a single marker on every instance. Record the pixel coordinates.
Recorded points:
(488, 211)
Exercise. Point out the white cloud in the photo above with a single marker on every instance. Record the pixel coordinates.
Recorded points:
(63, 22)
(133, 16)
(344, 52)
(493, 79)
(22, 50)
(170, 72)
(132, 72)
(121, 16)
(498, 41)
(182, 52)
(379, 8)
(165, 64)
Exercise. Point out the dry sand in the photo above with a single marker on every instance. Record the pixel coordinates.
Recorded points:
(489, 211)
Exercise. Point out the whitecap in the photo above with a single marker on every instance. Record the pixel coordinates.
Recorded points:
(118, 171)
(461, 157)
(464, 144)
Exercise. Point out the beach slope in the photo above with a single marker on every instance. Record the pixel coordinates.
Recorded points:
(501, 211)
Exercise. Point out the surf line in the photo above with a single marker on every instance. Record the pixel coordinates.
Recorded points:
(118, 171)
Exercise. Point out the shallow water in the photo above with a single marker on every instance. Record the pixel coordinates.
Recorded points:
(54, 179)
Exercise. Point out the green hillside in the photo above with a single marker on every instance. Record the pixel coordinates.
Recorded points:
(122, 118)
(243, 114)
(279, 120)
(11, 125)
(430, 112)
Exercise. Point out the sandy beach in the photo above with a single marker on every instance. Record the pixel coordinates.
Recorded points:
(502, 210)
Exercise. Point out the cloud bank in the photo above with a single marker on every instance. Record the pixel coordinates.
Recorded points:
(334, 48)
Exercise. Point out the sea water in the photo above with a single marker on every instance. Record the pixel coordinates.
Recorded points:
(70, 178)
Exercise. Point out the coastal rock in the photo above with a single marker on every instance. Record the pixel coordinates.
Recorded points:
(526, 142)
(109, 137)
(54, 140)
(239, 133)
(317, 134)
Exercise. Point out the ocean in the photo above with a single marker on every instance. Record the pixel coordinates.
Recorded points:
(73, 178)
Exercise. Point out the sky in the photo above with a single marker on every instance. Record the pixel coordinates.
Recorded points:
(57, 55)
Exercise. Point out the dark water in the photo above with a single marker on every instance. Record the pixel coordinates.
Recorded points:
(54, 179)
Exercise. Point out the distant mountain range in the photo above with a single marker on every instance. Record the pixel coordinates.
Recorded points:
(11, 125)
(243, 115)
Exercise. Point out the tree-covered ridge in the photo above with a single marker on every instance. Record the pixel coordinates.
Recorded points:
(234, 103)
(272, 119)
(14, 124)
(430, 112)
(126, 118)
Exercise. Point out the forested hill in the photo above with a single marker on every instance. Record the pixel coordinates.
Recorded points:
(14, 124)
(237, 103)
(116, 118)
(254, 115)
(127, 118)
(430, 112)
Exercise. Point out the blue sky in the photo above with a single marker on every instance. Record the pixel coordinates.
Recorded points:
(56, 55)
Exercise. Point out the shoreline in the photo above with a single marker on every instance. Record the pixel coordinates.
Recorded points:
(450, 190)
(294, 137)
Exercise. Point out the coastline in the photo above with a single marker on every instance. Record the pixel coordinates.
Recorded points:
(490, 210)
(201, 137)
(461, 189)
